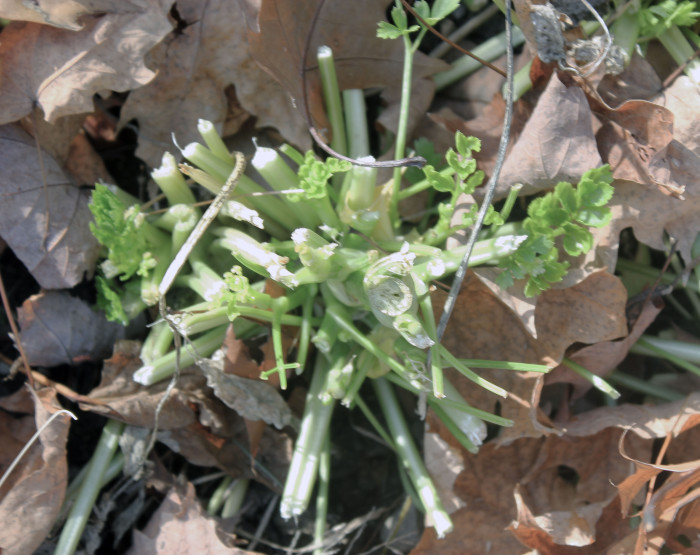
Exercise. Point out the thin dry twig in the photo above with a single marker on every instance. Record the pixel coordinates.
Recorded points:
(15, 332)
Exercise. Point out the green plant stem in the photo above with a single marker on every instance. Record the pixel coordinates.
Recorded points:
(596, 381)
(217, 498)
(402, 130)
(157, 343)
(324, 475)
(113, 470)
(331, 97)
(651, 345)
(411, 459)
(213, 140)
(436, 373)
(171, 182)
(235, 497)
(681, 51)
(314, 427)
(466, 372)
(643, 386)
(164, 367)
(356, 122)
(488, 50)
(90, 488)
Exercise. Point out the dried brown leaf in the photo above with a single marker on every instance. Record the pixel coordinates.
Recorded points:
(557, 143)
(683, 99)
(60, 258)
(252, 399)
(61, 70)
(64, 14)
(38, 484)
(638, 81)
(192, 422)
(181, 527)
(482, 327)
(362, 59)
(556, 510)
(57, 328)
(196, 70)
(651, 213)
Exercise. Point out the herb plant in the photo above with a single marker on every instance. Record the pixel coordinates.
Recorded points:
(356, 278)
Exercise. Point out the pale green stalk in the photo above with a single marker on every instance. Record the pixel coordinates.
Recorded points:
(171, 182)
(90, 488)
(411, 459)
(235, 496)
(331, 96)
(489, 50)
(643, 386)
(216, 501)
(596, 381)
(356, 121)
(164, 367)
(214, 141)
(324, 479)
(652, 346)
(314, 427)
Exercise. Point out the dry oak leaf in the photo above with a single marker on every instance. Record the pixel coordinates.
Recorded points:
(362, 60)
(197, 68)
(181, 527)
(557, 143)
(30, 508)
(61, 70)
(57, 328)
(57, 259)
(483, 327)
(603, 357)
(589, 450)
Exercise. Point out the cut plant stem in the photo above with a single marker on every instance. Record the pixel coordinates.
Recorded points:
(90, 489)
(331, 97)
(596, 381)
(213, 140)
(411, 460)
(164, 367)
(356, 119)
(314, 427)
(170, 180)
(324, 478)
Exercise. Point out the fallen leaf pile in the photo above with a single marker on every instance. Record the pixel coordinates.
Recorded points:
(76, 77)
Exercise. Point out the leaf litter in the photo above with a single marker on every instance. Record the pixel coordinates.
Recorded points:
(558, 481)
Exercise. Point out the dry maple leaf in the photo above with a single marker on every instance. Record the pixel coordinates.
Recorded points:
(31, 206)
(61, 70)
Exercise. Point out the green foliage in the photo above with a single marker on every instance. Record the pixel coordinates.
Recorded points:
(237, 291)
(118, 229)
(314, 175)
(565, 212)
(110, 302)
(659, 17)
(431, 15)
